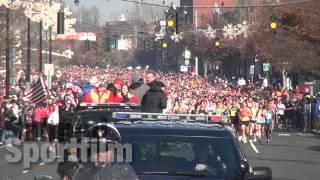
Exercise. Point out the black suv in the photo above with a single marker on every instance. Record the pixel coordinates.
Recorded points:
(174, 146)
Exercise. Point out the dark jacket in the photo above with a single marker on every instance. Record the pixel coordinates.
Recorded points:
(138, 89)
(154, 101)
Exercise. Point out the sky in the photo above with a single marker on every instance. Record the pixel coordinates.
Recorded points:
(110, 8)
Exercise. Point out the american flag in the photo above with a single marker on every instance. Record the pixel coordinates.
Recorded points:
(38, 92)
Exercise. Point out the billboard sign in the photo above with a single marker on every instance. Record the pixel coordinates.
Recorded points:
(79, 36)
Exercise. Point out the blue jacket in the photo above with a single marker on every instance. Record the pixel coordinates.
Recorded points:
(316, 107)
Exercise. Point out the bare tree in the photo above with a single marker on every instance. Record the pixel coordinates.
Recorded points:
(88, 18)
(146, 13)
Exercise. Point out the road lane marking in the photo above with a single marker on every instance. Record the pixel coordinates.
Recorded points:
(305, 134)
(24, 172)
(42, 163)
(254, 147)
(284, 134)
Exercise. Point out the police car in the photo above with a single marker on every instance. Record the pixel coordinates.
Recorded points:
(163, 146)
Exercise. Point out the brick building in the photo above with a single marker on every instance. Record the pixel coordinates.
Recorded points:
(206, 14)
(205, 11)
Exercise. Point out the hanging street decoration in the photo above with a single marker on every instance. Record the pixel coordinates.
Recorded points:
(177, 37)
(209, 33)
(42, 11)
(233, 31)
(9, 4)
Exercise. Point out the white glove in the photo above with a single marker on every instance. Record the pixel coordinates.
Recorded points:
(201, 167)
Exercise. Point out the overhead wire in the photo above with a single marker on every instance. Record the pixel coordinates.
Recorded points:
(224, 7)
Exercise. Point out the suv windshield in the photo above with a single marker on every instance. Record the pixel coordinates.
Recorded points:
(182, 155)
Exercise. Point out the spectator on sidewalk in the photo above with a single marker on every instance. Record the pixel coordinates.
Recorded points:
(40, 114)
(317, 114)
(53, 119)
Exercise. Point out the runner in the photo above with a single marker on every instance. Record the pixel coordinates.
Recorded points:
(269, 123)
(234, 117)
(252, 126)
(245, 117)
(260, 121)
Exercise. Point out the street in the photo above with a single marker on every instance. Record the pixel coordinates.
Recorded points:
(291, 155)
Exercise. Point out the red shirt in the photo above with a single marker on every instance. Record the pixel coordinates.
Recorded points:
(117, 99)
(40, 114)
(120, 99)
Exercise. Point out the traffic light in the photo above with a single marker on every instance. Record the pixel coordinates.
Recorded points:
(171, 22)
(60, 21)
(273, 24)
(187, 62)
(76, 2)
(217, 43)
(151, 44)
(147, 45)
(164, 44)
(87, 45)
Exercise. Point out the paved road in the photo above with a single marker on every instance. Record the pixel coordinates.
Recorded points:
(291, 155)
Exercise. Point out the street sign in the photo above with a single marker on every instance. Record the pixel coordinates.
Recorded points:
(266, 66)
(184, 68)
(251, 69)
(163, 23)
(48, 69)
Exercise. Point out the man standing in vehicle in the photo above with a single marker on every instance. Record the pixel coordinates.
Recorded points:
(138, 88)
(154, 101)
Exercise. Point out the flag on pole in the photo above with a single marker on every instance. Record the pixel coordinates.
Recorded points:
(38, 92)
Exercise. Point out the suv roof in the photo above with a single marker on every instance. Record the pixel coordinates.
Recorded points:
(154, 123)
(174, 129)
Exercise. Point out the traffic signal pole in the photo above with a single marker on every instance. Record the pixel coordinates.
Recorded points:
(8, 70)
(40, 47)
(50, 41)
(196, 57)
(28, 73)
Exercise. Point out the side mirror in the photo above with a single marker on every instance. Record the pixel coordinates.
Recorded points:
(262, 173)
(42, 177)
(244, 167)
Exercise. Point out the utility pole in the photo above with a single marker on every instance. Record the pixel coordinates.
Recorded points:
(196, 57)
(136, 35)
(40, 47)
(28, 74)
(50, 41)
(8, 70)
